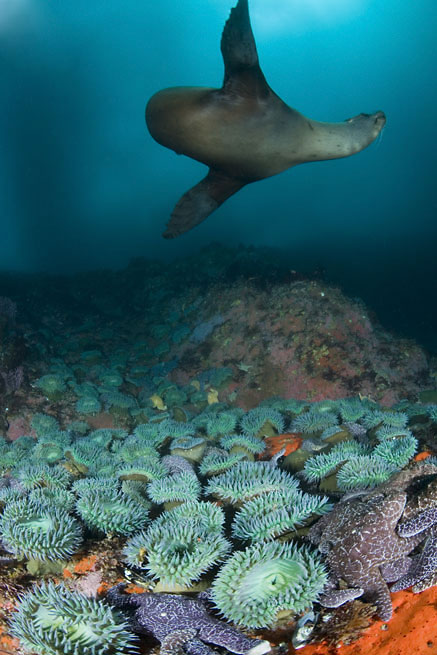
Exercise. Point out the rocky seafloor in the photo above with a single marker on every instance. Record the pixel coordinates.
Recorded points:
(183, 427)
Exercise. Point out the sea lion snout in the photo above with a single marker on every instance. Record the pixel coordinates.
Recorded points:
(366, 127)
(380, 118)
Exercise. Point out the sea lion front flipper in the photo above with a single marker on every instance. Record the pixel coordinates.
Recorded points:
(243, 75)
(200, 201)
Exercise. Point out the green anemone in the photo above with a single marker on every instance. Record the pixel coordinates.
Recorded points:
(377, 416)
(176, 488)
(51, 620)
(395, 419)
(10, 493)
(43, 423)
(220, 424)
(53, 497)
(352, 409)
(84, 485)
(41, 532)
(210, 516)
(85, 389)
(144, 469)
(243, 441)
(176, 553)
(320, 466)
(101, 438)
(50, 450)
(258, 583)
(43, 475)
(364, 472)
(174, 429)
(86, 456)
(175, 397)
(247, 480)
(134, 448)
(397, 452)
(111, 512)
(52, 385)
(10, 458)
(314, 420)
(331, 432)
(255, 419)
(88, 405)
(284, 404)
(276, 513)
(388, 432)
(111, 379)
(137, 491)
(150, 434)
(118, 400)
(217, 462)
(78, 428)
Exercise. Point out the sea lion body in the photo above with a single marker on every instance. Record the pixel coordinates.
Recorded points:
(217, 131)
(243, 131)
(206, 125)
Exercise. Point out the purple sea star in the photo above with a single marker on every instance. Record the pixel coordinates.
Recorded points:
(420, 518)
(363, 548)
(182, 624)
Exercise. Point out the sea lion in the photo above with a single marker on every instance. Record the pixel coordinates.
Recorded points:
(244, 132)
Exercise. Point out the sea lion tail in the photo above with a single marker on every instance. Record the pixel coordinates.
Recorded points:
(200, 201)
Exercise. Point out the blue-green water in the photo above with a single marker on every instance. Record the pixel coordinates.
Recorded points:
(84, 186)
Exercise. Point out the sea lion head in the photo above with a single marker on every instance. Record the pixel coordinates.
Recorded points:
(366, 127)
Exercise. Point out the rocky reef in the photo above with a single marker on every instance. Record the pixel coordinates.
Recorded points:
(195, 437)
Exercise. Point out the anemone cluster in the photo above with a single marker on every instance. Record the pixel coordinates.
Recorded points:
(384, 444)
(190, 498)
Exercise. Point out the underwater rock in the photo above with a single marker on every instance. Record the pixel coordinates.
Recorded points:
(303, 340)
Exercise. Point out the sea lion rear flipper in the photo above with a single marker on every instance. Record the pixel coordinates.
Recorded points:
(243, 75)
(200, 201)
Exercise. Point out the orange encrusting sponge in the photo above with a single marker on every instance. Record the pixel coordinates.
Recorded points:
(412, 629)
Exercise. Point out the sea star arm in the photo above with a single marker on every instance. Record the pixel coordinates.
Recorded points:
(422, 573)
(115, 596)
(337, 597)
(419, 523)
(378, 593)
(221, 634)
(393, 571)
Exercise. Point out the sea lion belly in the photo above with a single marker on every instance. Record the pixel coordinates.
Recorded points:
(245, 137)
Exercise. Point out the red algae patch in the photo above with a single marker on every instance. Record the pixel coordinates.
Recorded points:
(18, 427)
(412, 629)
